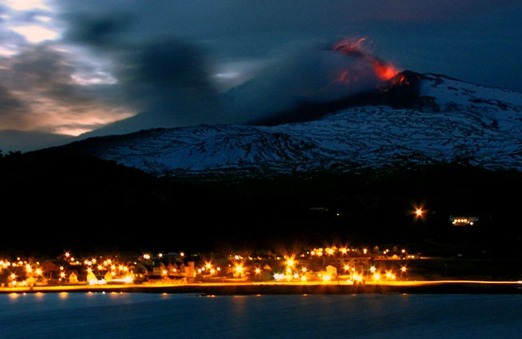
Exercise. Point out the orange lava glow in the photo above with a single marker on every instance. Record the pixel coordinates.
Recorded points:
(347, 46)
(383, 70)
(400, 80)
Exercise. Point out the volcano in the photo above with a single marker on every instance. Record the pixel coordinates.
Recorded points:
(413, 119)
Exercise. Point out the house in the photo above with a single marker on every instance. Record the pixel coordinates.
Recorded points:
(463, 220)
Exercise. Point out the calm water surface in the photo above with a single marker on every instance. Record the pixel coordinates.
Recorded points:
(151, 315)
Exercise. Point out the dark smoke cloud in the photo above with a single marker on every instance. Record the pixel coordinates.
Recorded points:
(12, 110)
(173, 80)
(298, 74)
(101, 31)
(170, 82)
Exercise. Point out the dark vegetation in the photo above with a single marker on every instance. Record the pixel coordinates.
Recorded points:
(53, 201)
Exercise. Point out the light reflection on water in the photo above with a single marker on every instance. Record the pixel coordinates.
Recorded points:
(152, 315)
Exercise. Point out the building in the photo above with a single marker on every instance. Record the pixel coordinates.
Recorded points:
(463, 220)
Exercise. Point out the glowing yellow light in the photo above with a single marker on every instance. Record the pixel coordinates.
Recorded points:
(357, 277)
(327, 277)
(390, 275)
(239, 269)
(279, 276)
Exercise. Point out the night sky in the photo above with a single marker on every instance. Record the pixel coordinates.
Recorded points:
(73, 66)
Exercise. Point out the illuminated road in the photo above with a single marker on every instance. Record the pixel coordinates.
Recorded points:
(341, 287)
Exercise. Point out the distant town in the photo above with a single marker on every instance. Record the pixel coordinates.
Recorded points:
(342, 265)
(319, 264)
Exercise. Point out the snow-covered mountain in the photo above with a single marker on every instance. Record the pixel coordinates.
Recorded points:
(413, 119)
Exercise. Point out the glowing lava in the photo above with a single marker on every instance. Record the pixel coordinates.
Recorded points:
(383, 70)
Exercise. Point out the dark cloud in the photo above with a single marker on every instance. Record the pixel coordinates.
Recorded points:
(167, 74)
(41, 65)
(99, 31)
(38, 93)
(11, 108)
(46, 71)
(175, 80)
(170, 64)
(305, 72)
(170, 81)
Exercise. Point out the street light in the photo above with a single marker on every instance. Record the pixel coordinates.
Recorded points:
(419, 212)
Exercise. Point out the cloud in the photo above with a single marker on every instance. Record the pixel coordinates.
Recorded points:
(38, 93)
(301, 73)
(170, 82)
(13, 112)
(104, 31)
(177, 87)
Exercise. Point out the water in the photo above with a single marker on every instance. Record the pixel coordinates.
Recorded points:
(152, 315)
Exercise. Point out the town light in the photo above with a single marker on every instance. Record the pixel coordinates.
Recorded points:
(419, 212)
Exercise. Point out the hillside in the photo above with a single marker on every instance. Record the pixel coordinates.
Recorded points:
(63, 202)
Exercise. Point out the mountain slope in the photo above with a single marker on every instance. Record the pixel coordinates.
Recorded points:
(414, 119)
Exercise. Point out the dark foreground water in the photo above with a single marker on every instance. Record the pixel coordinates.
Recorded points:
(152, 315)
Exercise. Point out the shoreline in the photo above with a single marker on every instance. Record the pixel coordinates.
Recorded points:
(424, 287)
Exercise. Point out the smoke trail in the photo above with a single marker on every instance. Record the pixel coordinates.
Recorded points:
(306, 73)
(177, 82)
